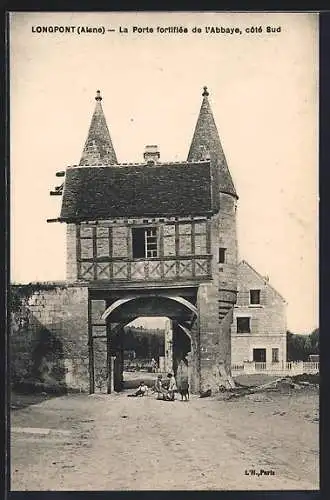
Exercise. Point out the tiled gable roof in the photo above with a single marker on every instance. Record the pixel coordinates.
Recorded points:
(173, 189)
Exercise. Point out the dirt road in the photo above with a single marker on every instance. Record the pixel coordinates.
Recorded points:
(117, 443)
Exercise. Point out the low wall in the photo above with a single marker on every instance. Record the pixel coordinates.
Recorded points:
(49, 337)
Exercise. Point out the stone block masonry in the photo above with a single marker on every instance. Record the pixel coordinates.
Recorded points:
(71, 250)
(49, 335)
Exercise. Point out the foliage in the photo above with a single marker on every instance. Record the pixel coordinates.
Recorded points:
(14, 301)
(17, 293)
(299, 347)
(31, 386)
(101, 378)
(146, 343)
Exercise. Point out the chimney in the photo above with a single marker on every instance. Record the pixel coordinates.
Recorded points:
(151, 154)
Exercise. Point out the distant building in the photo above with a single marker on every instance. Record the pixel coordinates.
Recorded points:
(258, 331)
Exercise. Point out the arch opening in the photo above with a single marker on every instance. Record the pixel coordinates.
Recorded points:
(146, 335)
(145, 348)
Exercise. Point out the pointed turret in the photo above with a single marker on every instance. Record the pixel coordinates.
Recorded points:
(206, 145)
(98, 148)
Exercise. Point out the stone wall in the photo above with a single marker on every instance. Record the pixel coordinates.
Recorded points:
(217, 298)
(49, 336)
(242, 347)
(71, 253)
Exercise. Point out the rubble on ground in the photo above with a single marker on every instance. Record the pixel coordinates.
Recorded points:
(287, 383)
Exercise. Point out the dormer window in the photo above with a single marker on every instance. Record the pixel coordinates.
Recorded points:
(254, 297)
(144, 242)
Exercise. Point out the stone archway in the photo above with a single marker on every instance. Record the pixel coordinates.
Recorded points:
(118, 303)
(116, 312)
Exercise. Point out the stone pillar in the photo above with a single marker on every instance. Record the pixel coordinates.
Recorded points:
(210, 348)
(194, 360)
(161, 367)
(169, 345)
(224, 352)
(99, 356)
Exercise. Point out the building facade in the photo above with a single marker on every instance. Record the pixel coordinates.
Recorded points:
(154, 239)
(258, 331)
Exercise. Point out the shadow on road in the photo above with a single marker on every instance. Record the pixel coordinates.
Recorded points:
(20, 401)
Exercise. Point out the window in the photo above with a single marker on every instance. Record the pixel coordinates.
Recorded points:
(222, 255)
(254, 297)
(275, 355)
(243, 325)
(151, 242)
(259, 356)
(144, 242)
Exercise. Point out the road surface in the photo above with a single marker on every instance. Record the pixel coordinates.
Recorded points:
(111, 442)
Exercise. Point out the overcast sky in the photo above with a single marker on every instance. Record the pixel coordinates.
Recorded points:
(263, 92)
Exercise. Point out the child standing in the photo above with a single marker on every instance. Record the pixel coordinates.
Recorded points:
(172, 388)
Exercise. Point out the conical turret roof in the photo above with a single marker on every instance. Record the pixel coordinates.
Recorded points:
(98, 148)
(206, 144)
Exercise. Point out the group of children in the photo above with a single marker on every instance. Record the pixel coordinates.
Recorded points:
(165, 391)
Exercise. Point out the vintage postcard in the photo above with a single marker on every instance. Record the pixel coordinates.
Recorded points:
(164, 326)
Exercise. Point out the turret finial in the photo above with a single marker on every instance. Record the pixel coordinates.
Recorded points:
(205, 93)
(98, 149)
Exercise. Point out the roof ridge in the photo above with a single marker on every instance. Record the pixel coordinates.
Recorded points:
(126, 164)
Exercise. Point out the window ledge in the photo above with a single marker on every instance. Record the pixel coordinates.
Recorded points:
(252, 306)
(143, 259)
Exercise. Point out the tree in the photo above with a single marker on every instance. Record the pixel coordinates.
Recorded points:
(314, 338)
(299, 347)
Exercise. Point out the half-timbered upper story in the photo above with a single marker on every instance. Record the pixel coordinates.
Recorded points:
(139, 222)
